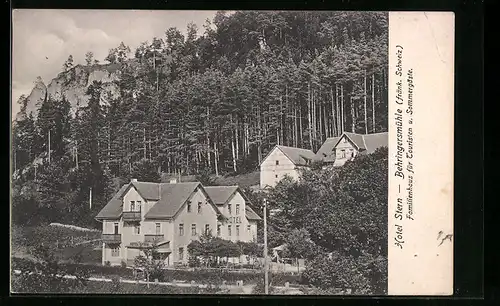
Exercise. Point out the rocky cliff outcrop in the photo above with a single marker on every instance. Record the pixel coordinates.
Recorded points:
(73, 85)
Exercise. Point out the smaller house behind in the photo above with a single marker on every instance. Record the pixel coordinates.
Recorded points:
(335, 151)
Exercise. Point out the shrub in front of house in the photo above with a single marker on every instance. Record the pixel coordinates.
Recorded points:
(203, 276)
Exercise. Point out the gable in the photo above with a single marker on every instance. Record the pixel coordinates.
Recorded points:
(197, 196)
(276, 154)
(345, 143)
(220, 194)
(132, 194)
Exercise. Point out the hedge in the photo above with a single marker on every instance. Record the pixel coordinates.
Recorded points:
(200, 276)
(30, 284)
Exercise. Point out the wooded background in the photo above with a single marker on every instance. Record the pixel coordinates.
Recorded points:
(215, 102)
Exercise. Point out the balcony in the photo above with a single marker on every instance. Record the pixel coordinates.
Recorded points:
(111, 238)
(131, 216)
(153, 238)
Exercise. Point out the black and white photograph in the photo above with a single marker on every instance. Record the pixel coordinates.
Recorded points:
(200, 152)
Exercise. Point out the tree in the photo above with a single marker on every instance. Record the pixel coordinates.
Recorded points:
(53, 189)
(148, 261)
(48, 273)
(300, 246)
(218, 102)
(89, 58)
(339, 271)
(68, 64)
(54, 125)
(208, 248)
(206, 179)
(112, 56)
(357, 238)
(122, 52)
(146, 171)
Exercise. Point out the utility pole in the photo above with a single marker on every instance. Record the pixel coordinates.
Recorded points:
(90, 198)
(14, 153)
(266, 275)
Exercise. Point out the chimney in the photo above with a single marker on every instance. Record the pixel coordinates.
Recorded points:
(173, 180)
(133, 180)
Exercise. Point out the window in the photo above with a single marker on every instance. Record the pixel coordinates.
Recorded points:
(237, 209)
(132, 205)
(189, 207)
(199, 207)
(116, 229)
(138, 206)
(237, 230)
(137, 229)
(342, 153)
(229, 230)
(207, 229)
(248, 227)
(181, 229)
(218, 229)
(115, 252)
(344, 140)
(181, 253)
(193, 229)
(158, 228)
(277, 163)
(229, 208)
(276, 176)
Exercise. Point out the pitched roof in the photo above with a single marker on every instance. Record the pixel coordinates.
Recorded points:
(250, 214)
(327, 151)
(369, 142)
(366, 143)
(220, 194)
(357, 139)
(149, 191)
(375, 141)
(173, 196)
(297, 156)
(113, 209)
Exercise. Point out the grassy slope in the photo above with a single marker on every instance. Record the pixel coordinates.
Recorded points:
(63, 241)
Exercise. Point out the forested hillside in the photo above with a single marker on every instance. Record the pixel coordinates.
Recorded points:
(215, 100)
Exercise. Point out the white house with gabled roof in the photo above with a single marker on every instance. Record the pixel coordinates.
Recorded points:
(283, 161)
(170, 216)
(335, 151)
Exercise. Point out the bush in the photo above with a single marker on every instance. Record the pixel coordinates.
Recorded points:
(35, 284)
(200, 276)
(194, 261)
(362, 275)
(93, 270)
(260, 288)
(216, 276)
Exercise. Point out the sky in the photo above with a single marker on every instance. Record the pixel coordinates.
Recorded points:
(42, 40)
